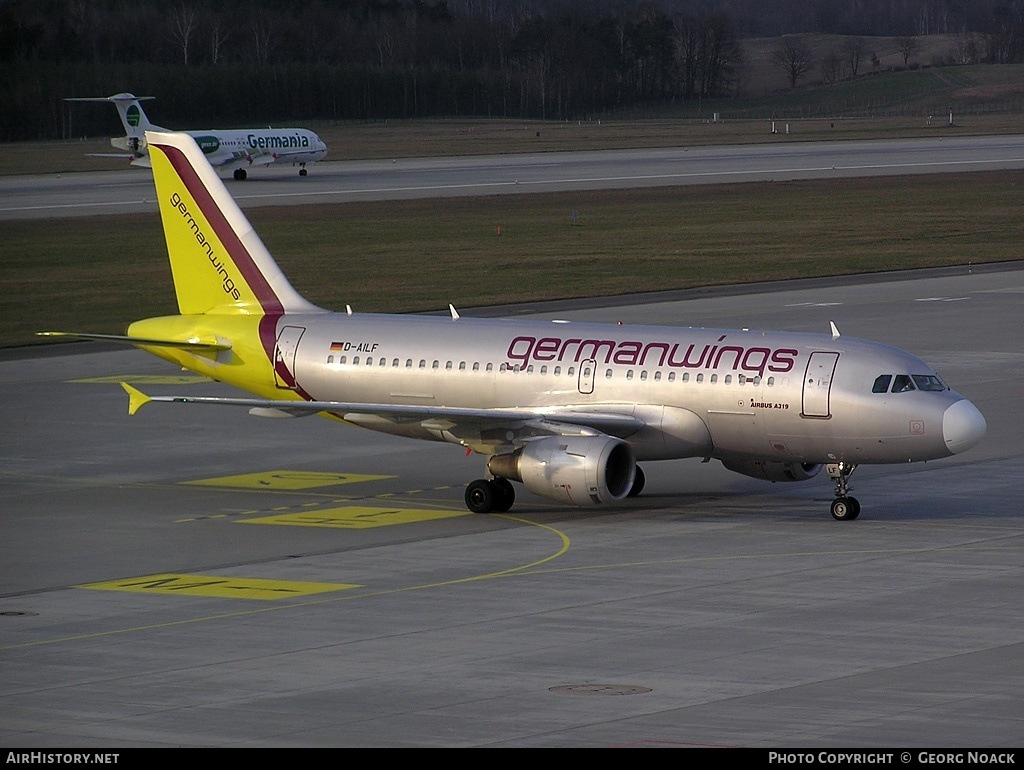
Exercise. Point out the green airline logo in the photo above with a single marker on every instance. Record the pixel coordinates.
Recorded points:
(208, 144)
(133, 115)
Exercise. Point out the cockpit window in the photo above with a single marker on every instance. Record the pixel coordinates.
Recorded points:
(928, 382)
(881, 383)
(901, 383)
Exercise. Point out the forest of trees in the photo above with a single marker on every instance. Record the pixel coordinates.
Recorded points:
(221, 62)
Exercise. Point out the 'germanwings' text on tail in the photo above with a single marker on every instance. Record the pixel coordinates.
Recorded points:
(566, 409)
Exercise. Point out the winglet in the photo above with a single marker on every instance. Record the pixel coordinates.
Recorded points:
(136, 398)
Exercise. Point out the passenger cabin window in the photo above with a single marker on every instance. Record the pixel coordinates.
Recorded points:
(881, 383)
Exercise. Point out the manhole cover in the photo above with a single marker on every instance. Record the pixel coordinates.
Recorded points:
(600, 689)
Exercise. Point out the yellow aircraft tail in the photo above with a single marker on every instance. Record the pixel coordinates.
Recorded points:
(218, 262)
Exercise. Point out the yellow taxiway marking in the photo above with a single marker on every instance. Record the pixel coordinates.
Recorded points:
(355, 517)
(148, 379)
(286, 480)
(220, 587)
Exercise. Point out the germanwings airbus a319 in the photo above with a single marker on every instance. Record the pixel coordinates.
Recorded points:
(235, 150)
(566, 409)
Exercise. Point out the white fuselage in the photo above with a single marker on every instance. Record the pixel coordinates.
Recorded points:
(260, 146)
(772, 396)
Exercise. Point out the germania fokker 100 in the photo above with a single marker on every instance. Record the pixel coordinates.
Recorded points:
(565, 409)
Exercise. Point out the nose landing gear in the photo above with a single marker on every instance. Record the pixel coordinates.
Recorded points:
(844, 507)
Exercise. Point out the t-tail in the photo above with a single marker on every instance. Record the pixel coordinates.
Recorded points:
(134, 120)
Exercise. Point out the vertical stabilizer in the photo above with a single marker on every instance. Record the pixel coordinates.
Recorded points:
(133, 118)
(218, 262)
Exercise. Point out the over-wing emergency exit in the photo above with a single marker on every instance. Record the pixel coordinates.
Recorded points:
(236, 150)
(566, 409)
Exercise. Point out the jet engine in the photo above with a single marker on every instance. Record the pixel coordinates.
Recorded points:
(772, 470)
(582, 470)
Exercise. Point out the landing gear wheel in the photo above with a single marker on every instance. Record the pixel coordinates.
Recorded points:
(504, 495)
(240, 175)
(845, 508)
(303, 172)
(638, 483)
(480, 496)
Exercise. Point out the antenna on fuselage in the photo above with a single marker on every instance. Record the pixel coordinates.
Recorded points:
(835, 330)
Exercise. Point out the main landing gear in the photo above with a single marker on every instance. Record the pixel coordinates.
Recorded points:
(497, 495)
(490, 496)
(844, 507)
(240, 175)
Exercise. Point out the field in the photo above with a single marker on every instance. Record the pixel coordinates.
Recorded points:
(99, 273)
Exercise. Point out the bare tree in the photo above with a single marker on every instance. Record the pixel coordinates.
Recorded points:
(831, 68)
(184, 20)
(854, 48)
(793, 56)
(908, 45)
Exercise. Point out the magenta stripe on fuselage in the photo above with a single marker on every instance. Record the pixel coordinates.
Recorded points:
(236, 250)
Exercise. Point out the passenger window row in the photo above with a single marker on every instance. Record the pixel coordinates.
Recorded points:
(555, 371)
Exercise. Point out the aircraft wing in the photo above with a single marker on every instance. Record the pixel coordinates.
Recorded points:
(474, 427)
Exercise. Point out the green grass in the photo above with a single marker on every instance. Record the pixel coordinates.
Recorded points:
(99, 273)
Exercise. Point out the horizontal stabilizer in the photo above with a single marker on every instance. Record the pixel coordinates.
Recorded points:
(197, 344)
(136, 398)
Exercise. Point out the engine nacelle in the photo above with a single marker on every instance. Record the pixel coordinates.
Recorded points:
(582, 470)
(772, 470)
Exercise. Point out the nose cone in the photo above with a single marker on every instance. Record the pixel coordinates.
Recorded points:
(963, 426)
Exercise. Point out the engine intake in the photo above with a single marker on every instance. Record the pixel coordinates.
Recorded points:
(582, 470)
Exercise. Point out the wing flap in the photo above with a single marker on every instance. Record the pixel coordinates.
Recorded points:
(458, 421)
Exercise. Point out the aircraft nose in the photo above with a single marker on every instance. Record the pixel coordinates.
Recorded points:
(963, 426)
